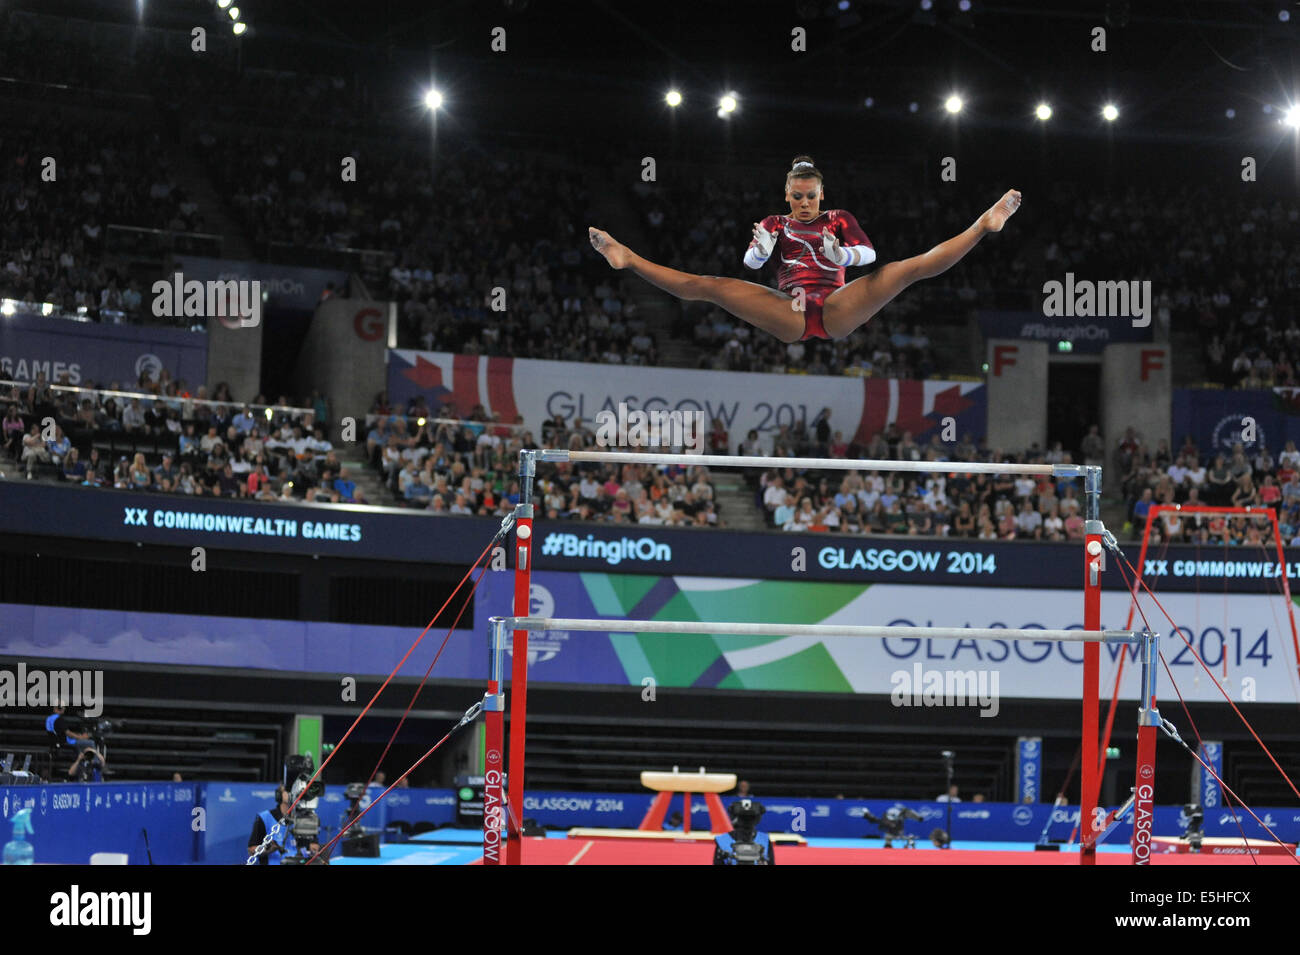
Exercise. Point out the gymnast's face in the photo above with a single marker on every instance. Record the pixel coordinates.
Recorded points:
(805, 198)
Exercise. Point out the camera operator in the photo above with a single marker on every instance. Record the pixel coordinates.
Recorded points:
(72, 732)
(744, 845)
(266, 821)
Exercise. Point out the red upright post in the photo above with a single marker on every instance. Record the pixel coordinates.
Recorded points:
(519, 666)
(495, 820)
(1144, 789)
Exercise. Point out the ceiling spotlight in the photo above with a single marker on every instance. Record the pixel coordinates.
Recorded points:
(869, 102)
(953, 103)
(433, 99)
(239, 28)
(963, 6)
(727, 104)
(234, 13)
(1230, 113)
(913, 107)
(222, 4)
(1109, 113)
(1292, 117)
(927, 4)
(1284, 15)
(1043, 112)
(673, 98)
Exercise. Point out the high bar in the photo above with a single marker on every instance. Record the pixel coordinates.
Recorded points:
(816, 630)
(557, 455)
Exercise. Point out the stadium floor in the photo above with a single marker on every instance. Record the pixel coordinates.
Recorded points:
(447, 847)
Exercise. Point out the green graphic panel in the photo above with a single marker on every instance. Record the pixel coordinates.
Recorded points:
(773, 601)
(810, 670)
(614, 595)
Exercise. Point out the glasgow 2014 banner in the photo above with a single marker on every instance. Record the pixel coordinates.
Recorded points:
(1245, 639)
(540, 390)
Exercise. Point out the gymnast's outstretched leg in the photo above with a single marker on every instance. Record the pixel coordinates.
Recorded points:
(760, 306)
(853, 306)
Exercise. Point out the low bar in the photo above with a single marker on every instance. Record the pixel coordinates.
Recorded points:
(557, 456)
(817, 630)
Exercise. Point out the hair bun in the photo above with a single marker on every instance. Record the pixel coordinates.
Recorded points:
(801, 161)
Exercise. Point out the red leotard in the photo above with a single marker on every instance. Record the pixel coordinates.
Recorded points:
(802, 263)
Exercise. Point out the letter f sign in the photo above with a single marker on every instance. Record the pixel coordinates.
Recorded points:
(1003, 357)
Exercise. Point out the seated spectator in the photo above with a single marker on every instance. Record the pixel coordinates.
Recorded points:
(73, 469)
(34, 451)
(1029, 523)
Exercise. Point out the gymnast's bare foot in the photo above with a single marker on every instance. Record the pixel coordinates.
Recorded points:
(996, 217)
(615, 253)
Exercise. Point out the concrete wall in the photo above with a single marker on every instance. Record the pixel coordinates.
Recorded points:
(1137, 392)
(1017, 385)
(342, 356)
(235, 357)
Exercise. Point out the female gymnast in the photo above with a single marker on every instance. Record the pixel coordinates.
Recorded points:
(815, 247)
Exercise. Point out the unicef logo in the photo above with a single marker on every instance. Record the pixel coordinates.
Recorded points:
(1022, 815)
(148, 364)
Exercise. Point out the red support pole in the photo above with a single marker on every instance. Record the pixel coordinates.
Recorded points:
(1145, 792)
(519, 686)
(494, 817)
(1088, 784)
(1286, 587)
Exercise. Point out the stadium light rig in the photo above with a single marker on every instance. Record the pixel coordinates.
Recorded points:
(953, 104)
(727, 105)
(673, 98)
(433, 99)
(1043, 112)
(1110, 112)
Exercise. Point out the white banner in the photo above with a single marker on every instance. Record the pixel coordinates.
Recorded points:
(539, 390)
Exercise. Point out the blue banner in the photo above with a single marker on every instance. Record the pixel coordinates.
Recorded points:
(104, 354)
(1029, 769)
(1219, 419)
(136, 819)
(231, 808)
(1085, 335)
(28, 632)
(210, 822)
(286, 286)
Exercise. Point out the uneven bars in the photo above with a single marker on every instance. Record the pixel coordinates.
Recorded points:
(557, 455)
(813, 630)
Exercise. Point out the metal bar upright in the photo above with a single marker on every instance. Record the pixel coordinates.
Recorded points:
(1093, 563)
